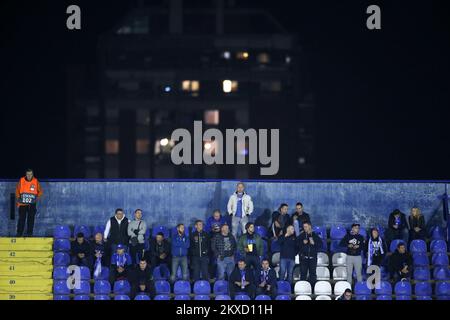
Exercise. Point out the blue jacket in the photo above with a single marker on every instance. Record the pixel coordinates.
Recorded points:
(210, 221)
(180, 246)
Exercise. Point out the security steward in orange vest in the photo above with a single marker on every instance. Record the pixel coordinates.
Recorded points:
(28, 191)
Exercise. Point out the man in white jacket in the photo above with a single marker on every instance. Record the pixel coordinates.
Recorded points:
(240, 207)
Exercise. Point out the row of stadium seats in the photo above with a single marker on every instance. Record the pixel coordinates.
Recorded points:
(335, 232)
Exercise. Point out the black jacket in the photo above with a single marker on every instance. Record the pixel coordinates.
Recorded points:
(200, 244)
(302, 218)
(77, 248)
(284, 221)
(397, 261)
(308, 250)
(156, 250)
(413, 223)
(118, 234)
(289, 247)
(236, 276)
(355, 239)
(403, 222)
(272, 278)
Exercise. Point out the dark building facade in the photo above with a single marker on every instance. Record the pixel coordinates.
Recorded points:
(164, 68)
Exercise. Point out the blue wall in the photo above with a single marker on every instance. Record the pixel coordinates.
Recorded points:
(92, 203)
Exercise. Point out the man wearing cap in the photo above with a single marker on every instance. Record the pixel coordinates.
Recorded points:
(354, 243)
(120, 265)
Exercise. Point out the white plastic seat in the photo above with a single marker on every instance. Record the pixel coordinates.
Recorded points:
(323, 297)
(323, 273)
(339, 259)
(322, 259)
(340, 287)
(340, 273)
(303, 298)
(302, 288)
(322, 288)
(276, 259)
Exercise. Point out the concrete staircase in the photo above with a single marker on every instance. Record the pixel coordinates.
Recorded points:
(26, 268)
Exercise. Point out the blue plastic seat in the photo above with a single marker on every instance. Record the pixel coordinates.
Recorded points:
(182, 287)
(202, 297)
(223, 297)
(104, 274)
(85, 230)
(420, 259)
(162, 287)
(121, 297)
(284, 287)
(263, 297)
(61, 297)
(102, 287)
(363, 297)
(283, 297)
(102, 297)
(275, 246)
(61, 232)
(265, 248)
(440, 259)
(437, 233)
(61, 259)
(142, 297)
(337, 232)
(98, 229)
(403, 288)
(160, 297)
(161, 272)
(441, 273)
(182, 297)
(241, 297)
(202, 287)
(321, 231)
(421, 274)
(61, 245)
(85, 273)
(403, 298)
(335, 247)
(423, 298)
(261, 231)
(85, 288)
(220, 287)
(60, 287)
(385, 288)
(384, 297)
(394, 244)
(362, 289)
(363, 232)
(60, 273)
(122, 287)
(82, 297)
(417, 246)
(442, 289)
(422, 289)
(438, 246)
(158, 229)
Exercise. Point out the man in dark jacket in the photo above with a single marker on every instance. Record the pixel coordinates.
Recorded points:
(251, 247)
(354, 242)
(299, 217)
(309, 244)
(116, 230)
(288, 251)
(280, 221)
(266, 280)
(242, 280)
(400, 263)
(397, 227)
(141, 280)
(200, 244)
(224, 246)
(159, 253)
(120, 265)
(81, 251)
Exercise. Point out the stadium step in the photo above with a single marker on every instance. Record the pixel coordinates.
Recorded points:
(26, 268)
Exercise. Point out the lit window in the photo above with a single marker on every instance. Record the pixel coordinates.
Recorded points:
(142, 146)
(229, 86)
(112, 146)
(211, 117)
(263, 58)
(190, 85)
(242, 55)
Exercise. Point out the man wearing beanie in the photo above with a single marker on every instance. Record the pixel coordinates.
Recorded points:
(251, 247)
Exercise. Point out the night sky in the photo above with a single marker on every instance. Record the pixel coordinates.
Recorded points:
(382, 96)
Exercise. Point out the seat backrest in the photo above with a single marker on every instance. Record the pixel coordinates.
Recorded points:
(302, 288)
(102, 287)
(423, 289)
(420, 259)
(60, 287)
(60, 273)
(403, 288)
(322, 259)
(122, 287)
(182, 287)
(86, 230)
(421, 273)
(261, 231)
(442, 288)
(303, 298)
(85, 288)
(202, 287)
(385, 288)
(441, 273)
(284, 287)
(323, 273)
(417, 246)
(157, 229)
(61, 232)
(61, 259)
(322, 288)
(337, 232)
(341, 286)
(340, 273)
(339, 259)
(440, 259)
(162, 287)
(438, 246)
(323, 297)
(361, 288)
(220, 287)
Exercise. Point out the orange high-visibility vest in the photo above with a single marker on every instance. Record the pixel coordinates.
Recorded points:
(27, 192)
